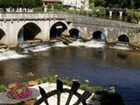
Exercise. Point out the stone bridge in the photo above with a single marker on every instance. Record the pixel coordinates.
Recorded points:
(111, 30)
(16, 28)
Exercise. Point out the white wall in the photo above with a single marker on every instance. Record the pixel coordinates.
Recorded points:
(69, 2)
(76, 3)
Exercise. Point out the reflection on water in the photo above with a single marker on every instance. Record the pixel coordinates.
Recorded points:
(102, 66)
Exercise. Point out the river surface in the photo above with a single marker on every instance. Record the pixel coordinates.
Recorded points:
(101, 66)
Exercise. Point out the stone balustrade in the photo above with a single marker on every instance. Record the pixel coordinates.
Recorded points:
(32, 16)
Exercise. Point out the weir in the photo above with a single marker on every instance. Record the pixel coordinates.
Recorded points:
(3, 46)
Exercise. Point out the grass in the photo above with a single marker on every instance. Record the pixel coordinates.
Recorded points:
(50, 79)
(91, 89)
(66, 81)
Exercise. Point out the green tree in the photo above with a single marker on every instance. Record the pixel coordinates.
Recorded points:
(58, 6)
(16, 3)
(137, 16)
(99, 11)
(100, 2)
(38, 3)
(1, 3)
(136, 4)
(91, 4)
(133, 16)
(29, 3)
(5, 3)
(128, 4)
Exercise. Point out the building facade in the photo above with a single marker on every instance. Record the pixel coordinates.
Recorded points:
(78, 4)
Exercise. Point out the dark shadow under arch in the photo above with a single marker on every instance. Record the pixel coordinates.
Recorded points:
(28, 32)
(74, 33)
(2, 33)
(98, 35)
(123, 38)
(57, 29)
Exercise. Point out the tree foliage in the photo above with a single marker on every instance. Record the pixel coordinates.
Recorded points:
(133, 16)
(99, 11)
(20, 3)
(58, 6)
(118, 3)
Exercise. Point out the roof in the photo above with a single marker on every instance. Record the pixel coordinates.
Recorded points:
(51, 0)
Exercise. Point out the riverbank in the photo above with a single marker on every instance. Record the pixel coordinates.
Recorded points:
(97, 97)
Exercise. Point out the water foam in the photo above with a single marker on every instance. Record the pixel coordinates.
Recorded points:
(121, 47)
(92, 43)
(60, 44)
(9, 54)
(37, 48)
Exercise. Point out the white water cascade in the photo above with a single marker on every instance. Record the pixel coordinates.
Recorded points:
(122, 46)
(37, 48)
(9, 54)
(77, 43)
(6, 54)
(92, 43)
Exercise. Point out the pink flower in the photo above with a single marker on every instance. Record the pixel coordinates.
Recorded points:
(19, 91)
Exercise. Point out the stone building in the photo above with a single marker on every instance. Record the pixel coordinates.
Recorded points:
(78, 4)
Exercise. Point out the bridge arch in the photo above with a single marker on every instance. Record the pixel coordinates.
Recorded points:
(74, 33)
(123, 38)
(99, 35)
(57, 29)
(28, 31)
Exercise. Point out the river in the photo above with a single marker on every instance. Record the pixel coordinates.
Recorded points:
(100, 65)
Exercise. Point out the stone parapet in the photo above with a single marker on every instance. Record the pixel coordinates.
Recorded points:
(32, 16)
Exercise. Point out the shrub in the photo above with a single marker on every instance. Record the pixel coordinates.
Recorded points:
(72, 11)
(99, 11)
(89, 88)
(38, 9)
(50, 79)
(58, 6)
(107, 98)
(132, 16)
(3, 88)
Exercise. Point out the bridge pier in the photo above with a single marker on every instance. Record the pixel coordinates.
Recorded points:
(45, 9)
(110, 14)
(120, 15)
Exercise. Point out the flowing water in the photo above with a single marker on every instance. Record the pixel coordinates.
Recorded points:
(101, 65)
